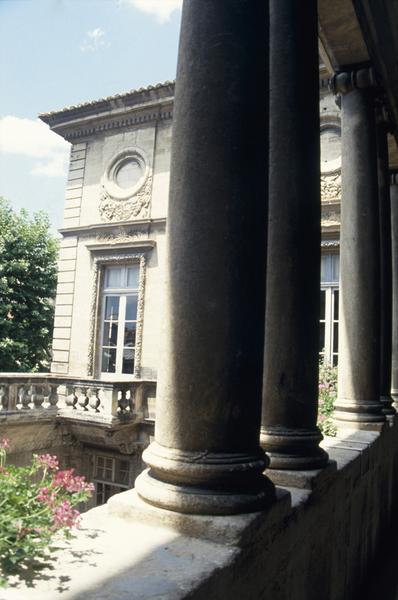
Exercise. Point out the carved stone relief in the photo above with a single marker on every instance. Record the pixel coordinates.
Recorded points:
(137, 207)
(126, 187)
(121, 237)
(331, 186)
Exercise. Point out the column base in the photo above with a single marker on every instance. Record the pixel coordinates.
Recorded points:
(387, 406)
(293, 449)
(361, 415)
(394, 396)
(204, 483)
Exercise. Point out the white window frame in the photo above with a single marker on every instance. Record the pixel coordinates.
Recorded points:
(330, 288)
(330, 300)
(122, 293)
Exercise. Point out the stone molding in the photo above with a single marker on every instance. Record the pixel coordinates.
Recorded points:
(345, 82)
(95, 288)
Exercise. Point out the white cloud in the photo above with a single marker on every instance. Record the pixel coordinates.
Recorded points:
(94, 40)
(32, 138)
(161, 9)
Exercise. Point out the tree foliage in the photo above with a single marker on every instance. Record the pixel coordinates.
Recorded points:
(28, 274)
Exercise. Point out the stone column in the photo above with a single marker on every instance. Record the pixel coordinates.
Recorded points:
(358, 404)
(383, 177)
(206, 457)
(289, 432)
(394, 236)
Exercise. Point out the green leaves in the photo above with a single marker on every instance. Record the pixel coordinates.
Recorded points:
(28, 276)
(36, 502)
(326, 398)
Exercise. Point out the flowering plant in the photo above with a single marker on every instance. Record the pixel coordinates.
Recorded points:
(327, 396)
(35, 503)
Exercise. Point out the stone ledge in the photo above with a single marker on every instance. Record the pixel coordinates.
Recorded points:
(218, 529)
(309, 480)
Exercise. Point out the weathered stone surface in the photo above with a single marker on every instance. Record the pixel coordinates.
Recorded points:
(207, 458)
(359, 309)
(336, 529)
(289, 433)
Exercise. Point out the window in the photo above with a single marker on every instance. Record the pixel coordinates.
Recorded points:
(329, 323)
(111, 476)
(119, 319)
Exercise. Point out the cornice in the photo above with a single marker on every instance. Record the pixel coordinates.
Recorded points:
(138, 224)
(138, 107)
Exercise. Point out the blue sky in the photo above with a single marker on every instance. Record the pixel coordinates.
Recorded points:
(54, 53)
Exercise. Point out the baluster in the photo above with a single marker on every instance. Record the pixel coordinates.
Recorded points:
(37, 396)
(4, 389)
(84, 401)
(123, 401)
(53, 394)
(95, 401)
(131, 401)
(25, 399)
(71, 399)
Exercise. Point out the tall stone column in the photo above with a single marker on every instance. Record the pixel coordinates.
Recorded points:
(358, 404)
(383, 176)
(289, 432)
(394, 238)
(206, 457)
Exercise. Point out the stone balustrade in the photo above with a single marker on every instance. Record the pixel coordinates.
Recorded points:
(73, 397)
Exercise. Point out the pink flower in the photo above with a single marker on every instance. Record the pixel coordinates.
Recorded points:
(70, 482)
(65, 516)
(47, 496)
(47, 461)
(5, 444)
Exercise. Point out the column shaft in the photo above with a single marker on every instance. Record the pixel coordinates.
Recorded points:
(394, 238)
(358, 403)
(383, 176)
(289, 432)
(206, 457)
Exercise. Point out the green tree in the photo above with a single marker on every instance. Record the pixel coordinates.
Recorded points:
(28, 274)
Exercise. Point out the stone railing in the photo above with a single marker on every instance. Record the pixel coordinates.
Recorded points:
(75, 398)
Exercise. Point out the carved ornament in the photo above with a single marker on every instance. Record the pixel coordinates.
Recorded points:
(138, 207)
(128, 200)
(331, 186)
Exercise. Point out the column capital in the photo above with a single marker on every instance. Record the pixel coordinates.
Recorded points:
(362, 78)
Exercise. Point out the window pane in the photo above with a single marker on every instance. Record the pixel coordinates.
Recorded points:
(336, 305)
(335, 360)
(112, 308)
(128, 361)
(323, 300)
(122, 472)
(330, 264)
(131, 308)
(129, 335)
(321, 337)
(335, 337)
(108, 360)
(110, 334)
(325, 267)
(335, 267)
(133, 274)
(104, 468)
(113, 277)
